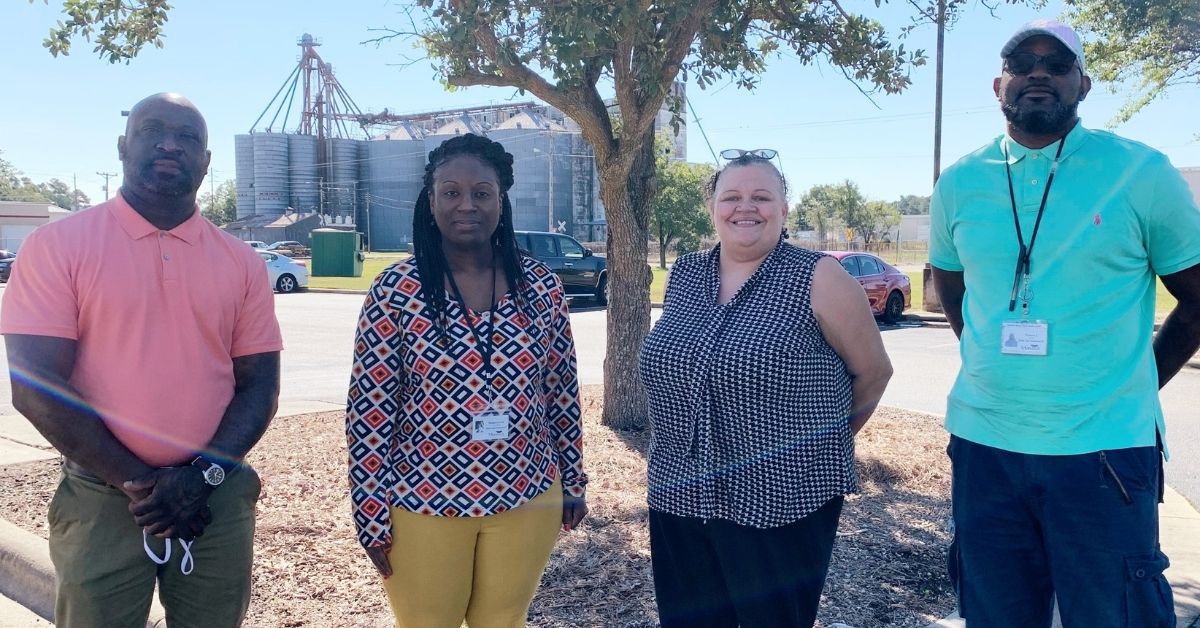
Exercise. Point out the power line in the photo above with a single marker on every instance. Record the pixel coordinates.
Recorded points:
(106, 176)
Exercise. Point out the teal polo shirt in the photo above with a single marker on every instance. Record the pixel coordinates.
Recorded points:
(1117, 214)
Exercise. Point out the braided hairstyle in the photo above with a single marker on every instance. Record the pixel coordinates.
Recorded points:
(427, 239)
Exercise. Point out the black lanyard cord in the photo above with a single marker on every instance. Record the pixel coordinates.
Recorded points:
(484, 345)
(1025, 253)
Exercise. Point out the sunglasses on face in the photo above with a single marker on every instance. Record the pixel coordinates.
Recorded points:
(1022, 63)
(758, 153)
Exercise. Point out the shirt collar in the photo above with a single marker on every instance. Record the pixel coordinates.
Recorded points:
(1075, 139)
(137, 227)
(714, 267)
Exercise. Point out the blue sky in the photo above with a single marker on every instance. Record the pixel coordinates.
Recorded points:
(61, 117)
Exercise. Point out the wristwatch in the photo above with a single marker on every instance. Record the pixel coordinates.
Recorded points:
(213, 473)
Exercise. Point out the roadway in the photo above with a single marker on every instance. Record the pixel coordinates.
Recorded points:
(318, 331)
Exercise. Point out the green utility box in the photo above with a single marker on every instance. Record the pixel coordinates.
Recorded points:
(336, 253)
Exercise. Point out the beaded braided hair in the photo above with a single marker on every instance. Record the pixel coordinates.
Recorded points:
(427, 239)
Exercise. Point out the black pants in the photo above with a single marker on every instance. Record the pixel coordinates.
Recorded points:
(710, 573)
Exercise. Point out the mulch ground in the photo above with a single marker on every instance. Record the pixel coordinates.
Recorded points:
(309, 570)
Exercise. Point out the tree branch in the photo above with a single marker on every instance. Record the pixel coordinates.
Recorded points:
(638, 113)
(587, 108)
(838, 6)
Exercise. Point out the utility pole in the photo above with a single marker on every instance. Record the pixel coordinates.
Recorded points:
(550, 178)
(937, 105)
(74, 192)
(106, 176)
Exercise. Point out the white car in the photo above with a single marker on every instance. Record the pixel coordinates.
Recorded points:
(287, 275)
(256, 244)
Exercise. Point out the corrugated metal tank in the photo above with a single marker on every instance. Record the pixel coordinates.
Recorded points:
(270, 173)
(530, 194)
(303, 180)
(395, 169)
(243, 152)
(343, 184)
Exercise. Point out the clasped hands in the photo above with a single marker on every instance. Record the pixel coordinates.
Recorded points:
(170, 502)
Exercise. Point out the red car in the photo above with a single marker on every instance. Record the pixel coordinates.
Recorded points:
(887, 288)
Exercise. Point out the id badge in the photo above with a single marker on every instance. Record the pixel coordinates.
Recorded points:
(1024, 337)
(489, 425)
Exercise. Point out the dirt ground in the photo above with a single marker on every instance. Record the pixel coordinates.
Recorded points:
(309, 570)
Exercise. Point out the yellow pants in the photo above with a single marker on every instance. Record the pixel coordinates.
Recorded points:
(481, 569)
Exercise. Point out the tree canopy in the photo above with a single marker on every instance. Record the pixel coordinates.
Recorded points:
(119, 29)
(912, 204)
(1151, 44)
(15, 186)
(220, 205)
(566, 53)
(679, 218)
(831, 206)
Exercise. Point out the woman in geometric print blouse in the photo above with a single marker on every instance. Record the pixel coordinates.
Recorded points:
(463, 418)
(764, 364)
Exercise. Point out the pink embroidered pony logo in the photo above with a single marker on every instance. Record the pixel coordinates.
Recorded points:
(1096, 220)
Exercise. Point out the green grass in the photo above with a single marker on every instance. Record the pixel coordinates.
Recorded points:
(658, 285)
(376, 262)
(917, 289)
(1164, 302)
(372, 266)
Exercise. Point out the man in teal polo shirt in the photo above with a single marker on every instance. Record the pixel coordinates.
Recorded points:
(1045, 245)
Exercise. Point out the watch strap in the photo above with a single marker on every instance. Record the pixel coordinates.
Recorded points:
(214, 472)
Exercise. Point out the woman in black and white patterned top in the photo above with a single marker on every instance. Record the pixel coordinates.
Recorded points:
(764, 365)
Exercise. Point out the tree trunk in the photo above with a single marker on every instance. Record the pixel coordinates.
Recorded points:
(627, 196)
(662, 252)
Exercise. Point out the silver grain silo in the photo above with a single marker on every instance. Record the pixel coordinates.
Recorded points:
(343, 183)
(303, 179)
(243, 151)
(394, 172)
(270, 173)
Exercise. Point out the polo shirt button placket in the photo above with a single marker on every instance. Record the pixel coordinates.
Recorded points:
(168, 270)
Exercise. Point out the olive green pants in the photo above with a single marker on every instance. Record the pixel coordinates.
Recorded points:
(105, 577)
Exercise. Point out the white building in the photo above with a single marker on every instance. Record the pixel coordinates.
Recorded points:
(1192, 176)
(18, 219)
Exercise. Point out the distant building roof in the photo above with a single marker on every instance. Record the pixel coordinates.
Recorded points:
(403, 131)
(530, 119)
(460, 125)
(25, 209)
(268, 220)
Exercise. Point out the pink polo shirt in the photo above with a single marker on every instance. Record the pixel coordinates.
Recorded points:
(158, 317)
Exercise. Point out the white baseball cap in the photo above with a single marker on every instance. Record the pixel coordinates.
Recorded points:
(1051, 28)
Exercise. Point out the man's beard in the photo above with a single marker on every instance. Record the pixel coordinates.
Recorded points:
(1040, 121)
(170, 186)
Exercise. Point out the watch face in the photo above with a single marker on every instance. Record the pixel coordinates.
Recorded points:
(214, 475)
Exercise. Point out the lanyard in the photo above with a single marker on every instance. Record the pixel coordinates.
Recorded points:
(486, 349)
(1026, 252)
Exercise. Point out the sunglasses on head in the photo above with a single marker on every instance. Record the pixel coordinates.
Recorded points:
(757, 153)
(1021, 63)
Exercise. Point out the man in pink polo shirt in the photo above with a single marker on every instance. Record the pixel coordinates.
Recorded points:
(142, 343)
